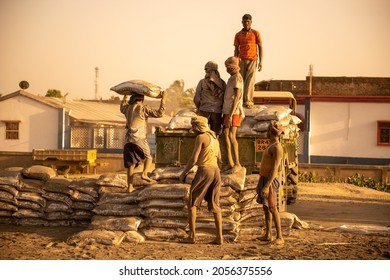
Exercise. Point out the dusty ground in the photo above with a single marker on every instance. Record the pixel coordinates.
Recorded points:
(346, 223)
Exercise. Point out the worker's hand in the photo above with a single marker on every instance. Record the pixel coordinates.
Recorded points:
(259, 66)
(265, 192)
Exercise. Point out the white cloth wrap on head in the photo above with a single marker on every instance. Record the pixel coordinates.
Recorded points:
(200, 124)
(232, 62)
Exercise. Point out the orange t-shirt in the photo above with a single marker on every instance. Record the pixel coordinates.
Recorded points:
(247, 42)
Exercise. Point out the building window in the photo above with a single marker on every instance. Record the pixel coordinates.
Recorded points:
(11, 130)
(383, 133)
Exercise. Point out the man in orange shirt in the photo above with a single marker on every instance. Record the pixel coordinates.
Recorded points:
(248, 47)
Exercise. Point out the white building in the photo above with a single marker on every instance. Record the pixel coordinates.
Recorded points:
(28, 122)
(353, 130)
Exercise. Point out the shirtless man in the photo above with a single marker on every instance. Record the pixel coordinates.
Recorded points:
(268, 185)
(137, 148)
(207, 182)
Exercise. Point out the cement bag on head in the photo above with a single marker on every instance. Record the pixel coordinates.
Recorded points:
(138, 86)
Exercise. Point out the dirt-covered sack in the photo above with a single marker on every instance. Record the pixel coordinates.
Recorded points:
(138, 86)
(179, 122)
(273, 113)
(30, 205)
(58, 197)
(119, 198)
(79, 196)
(8, 206)
(117, 210)
(164, 191)
(32, 185)
(56, 206)
(105, 237)
(31, 196)
(59, 185)
(86, 185)
(261, 126)
(166, 203)
(163, 234)
(247, 125)
(134, 237)
(171, 222)
(112, 180)
(251, 112)
(81, 215)
(115, 223)
(9, 189)
(39, 172)
(186, 113)
(235, 180)
(28, 213)
(164, 212)
(7, 197)
(170, 172)
(10, 177)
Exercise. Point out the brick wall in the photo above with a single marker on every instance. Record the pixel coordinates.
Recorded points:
(335, 86)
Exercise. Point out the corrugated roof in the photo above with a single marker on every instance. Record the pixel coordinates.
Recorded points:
(92, 111)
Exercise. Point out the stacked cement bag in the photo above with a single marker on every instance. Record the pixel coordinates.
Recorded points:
(116, 219)
(117, 214)
(251, 213)
(9, 190)
(282, 115)
(181, 120)
(42, 199)
(164, 208)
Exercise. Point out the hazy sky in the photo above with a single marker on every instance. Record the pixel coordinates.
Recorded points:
(56, 44)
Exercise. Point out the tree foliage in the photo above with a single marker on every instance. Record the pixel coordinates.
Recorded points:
(53, 93)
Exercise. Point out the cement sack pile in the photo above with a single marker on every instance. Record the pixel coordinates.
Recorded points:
(164, 208)
(40, 198)
(251, 213)
(116, 214)
(257, 120)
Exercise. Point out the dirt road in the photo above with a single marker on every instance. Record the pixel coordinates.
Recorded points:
(346, 223)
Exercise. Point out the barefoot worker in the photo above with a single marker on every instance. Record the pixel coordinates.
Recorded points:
(268, 185)
(207, 182)
(232, 111)
(137, 148)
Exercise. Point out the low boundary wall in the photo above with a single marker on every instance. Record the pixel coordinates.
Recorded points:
(343, 171)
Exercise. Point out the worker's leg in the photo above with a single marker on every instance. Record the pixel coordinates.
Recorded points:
(192, 222)
(275, 214)
(226, 133)
(234, 143)
(130, 176)
(268, 225)
(218, 226)
(147, 166)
